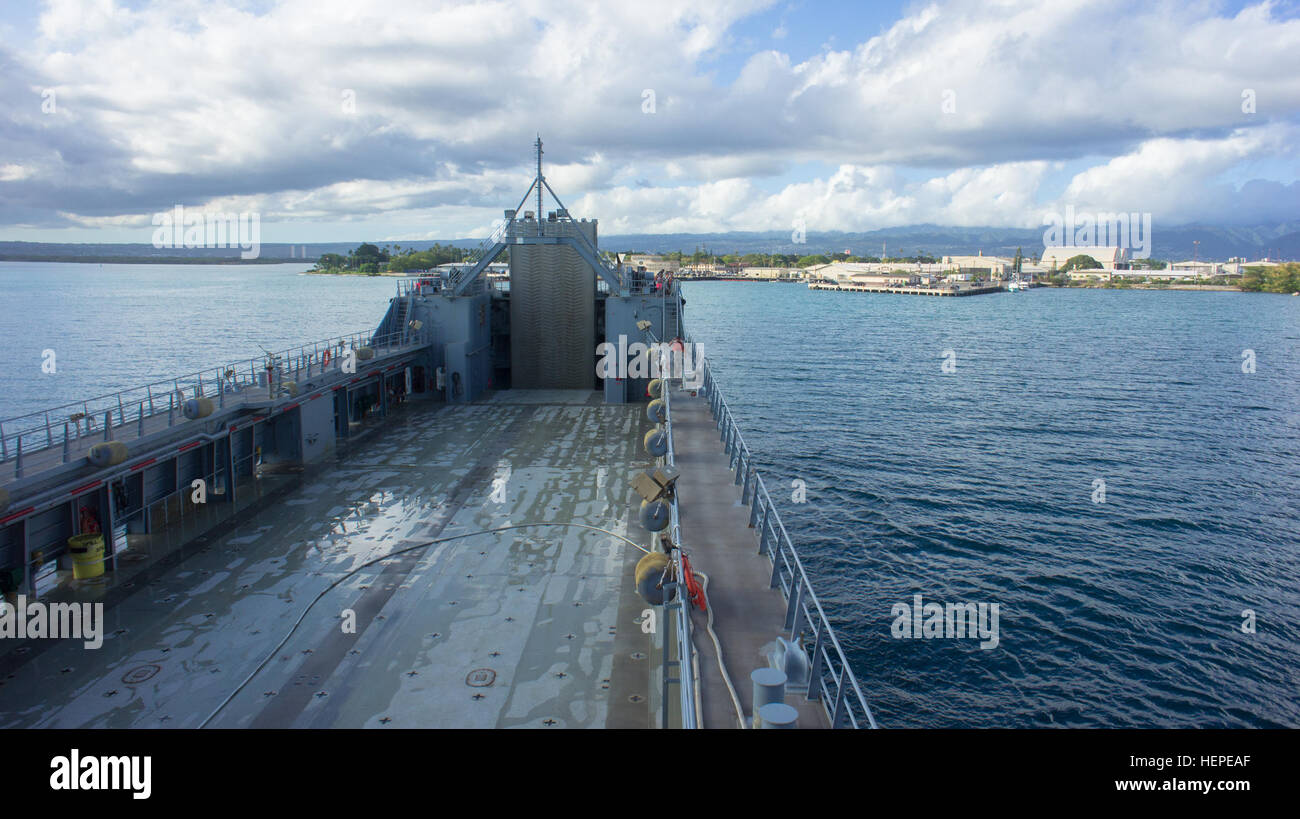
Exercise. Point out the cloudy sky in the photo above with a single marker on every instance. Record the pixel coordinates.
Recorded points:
(341, 120)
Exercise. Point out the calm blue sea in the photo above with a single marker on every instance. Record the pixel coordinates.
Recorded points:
(978, 486)
(973, 486)
(112, 326)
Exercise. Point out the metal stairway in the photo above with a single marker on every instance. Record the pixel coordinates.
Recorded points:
(400, 311)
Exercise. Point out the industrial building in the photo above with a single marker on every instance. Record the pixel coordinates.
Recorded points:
(1110, 258)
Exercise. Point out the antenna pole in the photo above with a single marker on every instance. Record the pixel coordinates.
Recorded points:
(540, 179)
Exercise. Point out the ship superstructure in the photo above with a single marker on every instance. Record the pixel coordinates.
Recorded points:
(518, 503)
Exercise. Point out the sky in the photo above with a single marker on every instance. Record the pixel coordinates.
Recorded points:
(343, 120)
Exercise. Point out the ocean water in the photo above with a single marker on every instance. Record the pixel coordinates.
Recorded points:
(112, 326)
(980, 485)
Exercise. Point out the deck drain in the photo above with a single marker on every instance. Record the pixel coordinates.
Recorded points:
(140, 674)
(637, 655)
(480, 678)
(635, 698)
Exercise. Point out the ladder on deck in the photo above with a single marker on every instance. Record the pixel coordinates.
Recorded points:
(672, 317)
(400, 311)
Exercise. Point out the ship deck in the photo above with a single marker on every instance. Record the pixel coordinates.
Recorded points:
(748, 612)
(524, 627)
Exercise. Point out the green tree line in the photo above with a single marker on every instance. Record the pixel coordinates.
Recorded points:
(704, 257)
(1285, 278)
(372, 260)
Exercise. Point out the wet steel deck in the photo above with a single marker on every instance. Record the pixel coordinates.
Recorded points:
(544, 614)
(748, 614)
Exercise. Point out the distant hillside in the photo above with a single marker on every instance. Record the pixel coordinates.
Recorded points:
(1176, 243)
(1172, 243)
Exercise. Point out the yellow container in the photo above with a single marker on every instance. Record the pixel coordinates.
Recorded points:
(87, 555)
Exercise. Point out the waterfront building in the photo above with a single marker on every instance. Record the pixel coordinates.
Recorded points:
(1109, 258)
(988, 266)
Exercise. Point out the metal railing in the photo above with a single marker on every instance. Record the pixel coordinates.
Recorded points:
(831, 680)
(70, 425)
(685, 645)
(473, 262)
(428, 282)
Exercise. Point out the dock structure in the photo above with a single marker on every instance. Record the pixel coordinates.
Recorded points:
(908, 291)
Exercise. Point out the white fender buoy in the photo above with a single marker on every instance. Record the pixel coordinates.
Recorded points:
(365, 353)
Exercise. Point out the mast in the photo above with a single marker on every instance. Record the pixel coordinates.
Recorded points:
(540, 178)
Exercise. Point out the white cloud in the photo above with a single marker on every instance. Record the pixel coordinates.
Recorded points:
(13, 173)
(203, 103)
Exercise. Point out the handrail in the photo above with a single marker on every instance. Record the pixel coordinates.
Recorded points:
(685, 645)
(472, 263)
(832, 680)
(24, 435)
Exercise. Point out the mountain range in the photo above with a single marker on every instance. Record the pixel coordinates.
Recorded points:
(1208, 242)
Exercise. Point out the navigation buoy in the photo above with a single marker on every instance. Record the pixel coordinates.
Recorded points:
(107, 453)
(654, 515)
(197, 408)
(655, 388)
(656, 443)
(656, 411)
(651, 571)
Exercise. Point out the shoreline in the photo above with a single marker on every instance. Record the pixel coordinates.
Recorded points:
(398, 275)
(17, 257)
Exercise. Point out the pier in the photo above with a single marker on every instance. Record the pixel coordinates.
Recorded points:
(909, 291)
